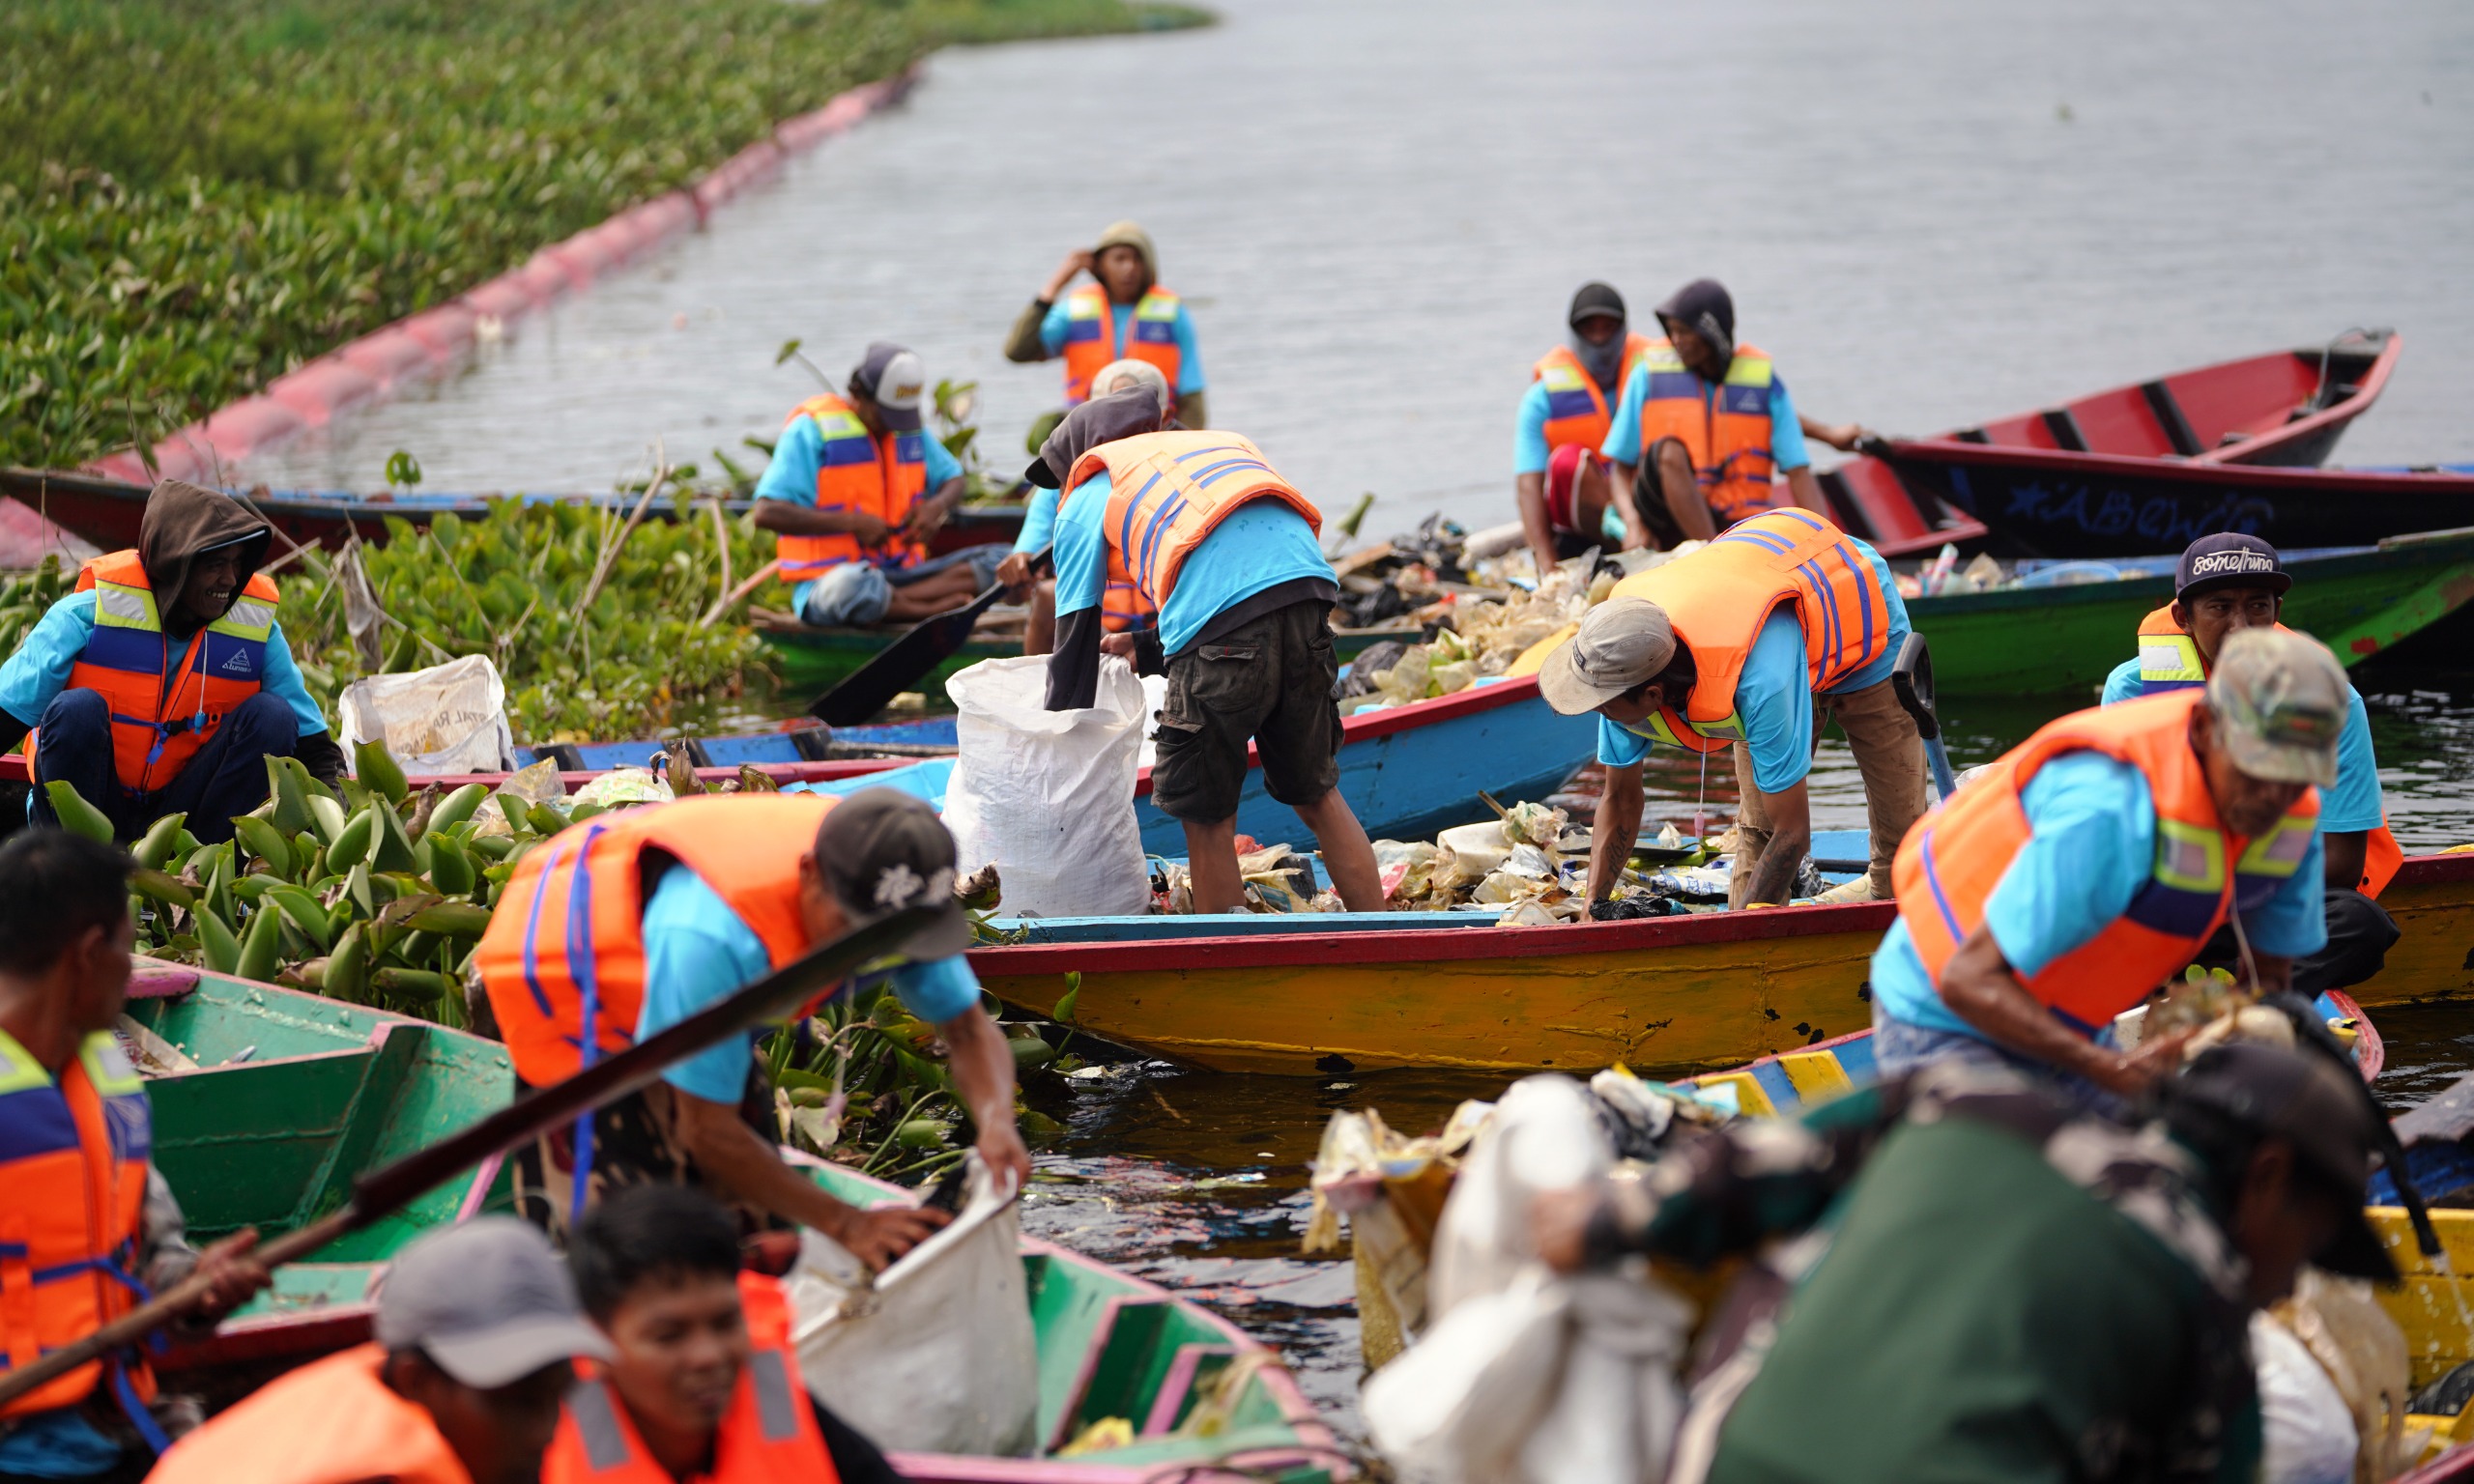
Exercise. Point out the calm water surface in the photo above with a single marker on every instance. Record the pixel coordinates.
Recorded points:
(1929, 212)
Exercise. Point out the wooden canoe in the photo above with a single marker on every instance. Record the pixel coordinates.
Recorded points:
(2283, 409)
(1336, 995)
(106, 511)
(2361, 600)
(295, 1095)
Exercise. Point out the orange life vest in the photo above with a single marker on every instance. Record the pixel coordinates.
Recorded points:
(1724, 428)
(769, 1433)
(857, 471)
(155, 729)
(1719, 598)
(1123, 608)
(1168, 491)
(563, 960)
(1576, 410)
(1090, 336)
(335, 1421)
(73, 1199)
(1953, 857)
(2170, 660)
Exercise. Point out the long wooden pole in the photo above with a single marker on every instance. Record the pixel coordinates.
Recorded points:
(384, 1191)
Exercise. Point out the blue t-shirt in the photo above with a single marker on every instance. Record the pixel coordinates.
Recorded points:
(1786, 434)
(2092, 846)
(2353, 802)
(1774, 694)
(1039, 520)
(1189, 357)
(39, 671)
(1264, 544)
(791, 476)
(697, 950)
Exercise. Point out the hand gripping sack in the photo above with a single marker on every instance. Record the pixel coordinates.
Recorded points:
(450, 718)
(1048, 795)
(937, 1354)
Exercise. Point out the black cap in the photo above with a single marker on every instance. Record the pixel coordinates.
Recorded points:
(1594, 300)
(1705, 307)
(2229, 558)
(882, 850)
(2305, 1099)
(1126, 413)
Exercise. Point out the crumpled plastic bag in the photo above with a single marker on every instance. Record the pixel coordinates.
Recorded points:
(622, 789)
(1535, 824)
(1406, 868)
(535, 785)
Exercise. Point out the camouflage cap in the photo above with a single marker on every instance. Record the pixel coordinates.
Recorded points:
(2279, 700)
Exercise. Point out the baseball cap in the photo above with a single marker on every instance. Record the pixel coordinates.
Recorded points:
(895, 378)
(488, 1302)
(2226, 559)
(1117, 375)
(882, 850)
(2306, 1098)
(1594, 300)
(1621, 642)
(1125, 413)
(2280, 701)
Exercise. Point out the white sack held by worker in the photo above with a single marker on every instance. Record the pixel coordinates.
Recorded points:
(1528, 1378)
(1048, 795)
(937, 1354)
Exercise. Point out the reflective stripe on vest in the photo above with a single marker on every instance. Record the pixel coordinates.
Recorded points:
(73, 1161)
(768, 1434)
(1724, 429)
(566, 944)
(1576, 410)
(1090, 337)
(1168, 491)
(2170, 660)
(856, 470)
(1719, 598)
(1952, 859)
(158, 728)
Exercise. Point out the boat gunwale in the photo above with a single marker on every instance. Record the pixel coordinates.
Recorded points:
(2266, 477)
(2366, 390)
(2434, 550)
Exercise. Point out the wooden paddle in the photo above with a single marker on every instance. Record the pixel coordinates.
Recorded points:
(384, 1191)
(901, 665)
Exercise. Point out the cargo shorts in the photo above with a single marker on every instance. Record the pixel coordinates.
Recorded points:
(1269, 680)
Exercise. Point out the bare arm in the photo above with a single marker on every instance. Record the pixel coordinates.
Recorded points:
(1841, 436)
(928, 516)
(2343, 852)
(1619, 491)
(1982, 988)
(982, 1068)
(1791, 835)
(1806, 491)
(1619, 824)
(1529, 495)
(796, 520)
(741, 1162)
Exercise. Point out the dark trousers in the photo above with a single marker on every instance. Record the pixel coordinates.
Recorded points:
(227, 777)
(2360, 933)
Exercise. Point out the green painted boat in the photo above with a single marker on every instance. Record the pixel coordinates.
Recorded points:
(268, 1101)
(2067, 637)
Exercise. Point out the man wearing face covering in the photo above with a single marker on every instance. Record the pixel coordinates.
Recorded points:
(1559, 480)
(163, 683)
(1704, 423)
(1226, 550)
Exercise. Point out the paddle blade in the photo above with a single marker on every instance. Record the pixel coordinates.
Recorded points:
(901, 665)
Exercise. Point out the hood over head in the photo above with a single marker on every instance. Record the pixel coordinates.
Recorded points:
(182, 520)
(1705, 307)
(1128, 234)
(1126, 413)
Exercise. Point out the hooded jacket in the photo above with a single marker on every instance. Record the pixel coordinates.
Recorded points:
(183, 521)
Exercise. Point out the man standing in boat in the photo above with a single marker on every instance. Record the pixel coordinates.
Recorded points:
(1226, 550)
(1735, 646)
(1704, 421)
(665, 910)
(1559, 479)
(1125, 608)
(1122, 313)
(858, 492)
(163, 683)
(2088, 865)
(2225, 584)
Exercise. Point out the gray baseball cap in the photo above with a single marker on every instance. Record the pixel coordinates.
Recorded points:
(2280, 701)
(896, 377)
(488, 1302)
(882, 850)
(1623, 641)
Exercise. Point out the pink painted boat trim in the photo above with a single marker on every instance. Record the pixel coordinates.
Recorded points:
(376, 366)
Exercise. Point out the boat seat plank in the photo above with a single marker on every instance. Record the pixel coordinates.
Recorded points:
(2167, 413)
(1192, 1370)
(2063, 425)
(1816, 1074)
(1129, 1356)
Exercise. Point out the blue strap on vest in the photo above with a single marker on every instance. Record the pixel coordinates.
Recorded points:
(580, 963)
